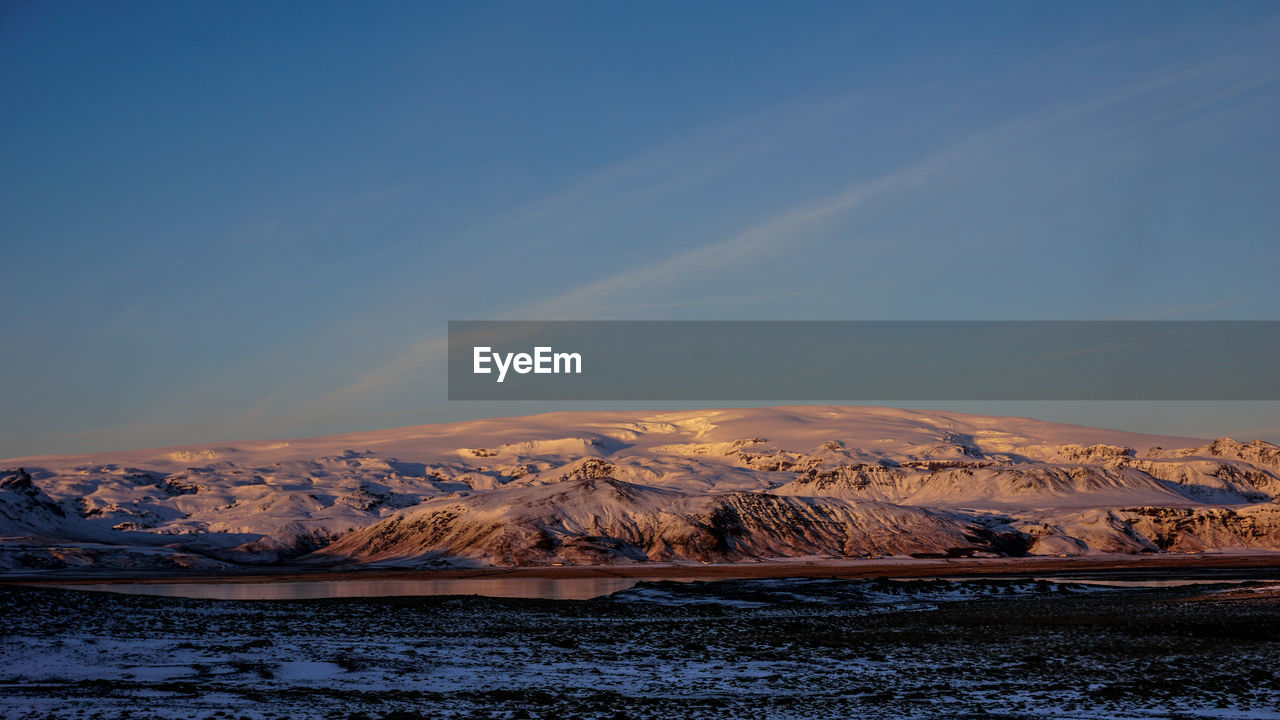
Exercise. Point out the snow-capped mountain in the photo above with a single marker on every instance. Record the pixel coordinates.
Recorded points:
(599, 487)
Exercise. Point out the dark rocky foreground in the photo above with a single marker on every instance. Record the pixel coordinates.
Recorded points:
(734, 649)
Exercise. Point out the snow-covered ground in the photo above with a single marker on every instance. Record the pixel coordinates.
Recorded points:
(623, 487)
(756, 648)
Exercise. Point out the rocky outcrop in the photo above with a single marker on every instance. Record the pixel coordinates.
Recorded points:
(1196, 529)
(607, 520)
(25, 509)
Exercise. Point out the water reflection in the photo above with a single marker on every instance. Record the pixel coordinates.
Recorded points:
(556, 589)
(523, 587)
(1173, 583)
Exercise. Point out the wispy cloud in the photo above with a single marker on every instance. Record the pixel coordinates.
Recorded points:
(781, 230)
(705, 155)
(803, 222)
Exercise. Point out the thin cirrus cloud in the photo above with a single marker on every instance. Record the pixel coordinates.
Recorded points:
(772, 234)
(783, 230)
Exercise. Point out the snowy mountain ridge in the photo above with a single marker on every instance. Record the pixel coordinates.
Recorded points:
(622, 487)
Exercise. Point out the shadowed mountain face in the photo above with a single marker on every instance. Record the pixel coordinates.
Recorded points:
(598, 488)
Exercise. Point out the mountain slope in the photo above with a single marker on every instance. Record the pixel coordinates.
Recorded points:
(596, 520)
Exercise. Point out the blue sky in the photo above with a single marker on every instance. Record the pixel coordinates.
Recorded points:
(248, 220)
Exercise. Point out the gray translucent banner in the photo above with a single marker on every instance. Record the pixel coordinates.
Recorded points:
(827, 361)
